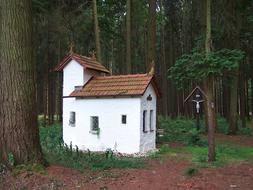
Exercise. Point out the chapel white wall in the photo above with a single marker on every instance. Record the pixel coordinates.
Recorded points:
(75, 75)
(124, 138)
(72, 76)
(148, 139)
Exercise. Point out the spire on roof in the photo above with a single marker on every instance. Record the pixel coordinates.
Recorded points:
(71, 48)
(152, 69)
(93, 55)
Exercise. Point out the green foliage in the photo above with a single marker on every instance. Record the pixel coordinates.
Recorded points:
(57, 152)
(191, 172)
(184, 131)
(103, 188)
(34, 168)
(180, 130)
(11, 160)
(245, 131)
(222, 125)
(197, 66)
(163, 152)
(164, 149)
(225, 153)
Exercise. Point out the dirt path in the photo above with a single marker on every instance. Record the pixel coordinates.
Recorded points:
(160, 175)
(166, 175)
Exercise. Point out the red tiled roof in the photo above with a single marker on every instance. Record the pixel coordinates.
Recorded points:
(86, 62)
(121, 85)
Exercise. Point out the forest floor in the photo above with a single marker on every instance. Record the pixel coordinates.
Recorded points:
(166, 173)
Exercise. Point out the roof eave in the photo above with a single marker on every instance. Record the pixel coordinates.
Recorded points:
(105, 96)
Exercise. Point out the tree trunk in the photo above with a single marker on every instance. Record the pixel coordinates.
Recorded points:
(210, 112)
(151, 35)
(233, 43)
(208, 88)
(128, 38)
(164, 69)
(19, 133)
(233, 107)
(242, 99)
(97, 31)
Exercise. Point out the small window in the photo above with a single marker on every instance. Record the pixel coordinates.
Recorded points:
(72, 118)
(94, 124)
(123, 119)
(144, 121)
(151, 120)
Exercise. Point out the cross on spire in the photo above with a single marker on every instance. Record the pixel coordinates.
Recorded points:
(93, 55)
(71, 48)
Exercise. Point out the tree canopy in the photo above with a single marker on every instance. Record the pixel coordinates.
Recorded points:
(197, 66)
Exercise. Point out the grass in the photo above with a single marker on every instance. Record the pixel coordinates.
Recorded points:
(56, 152)
(225, 154)
(32, 168)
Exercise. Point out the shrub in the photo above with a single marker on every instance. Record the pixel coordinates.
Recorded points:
(180, 130)
(191, 172)
(34, 168)
(245, 131)
(222, 125)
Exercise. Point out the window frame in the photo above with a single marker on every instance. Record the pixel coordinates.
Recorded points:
(92, 128)
(144, 121)
(151, 120)
(72, 118)
(124, 119)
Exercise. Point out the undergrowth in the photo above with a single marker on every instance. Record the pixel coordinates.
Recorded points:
(181, 130)
(190, 172)
(56, 152)
(184, 130)
(32, 168)
(225, 154)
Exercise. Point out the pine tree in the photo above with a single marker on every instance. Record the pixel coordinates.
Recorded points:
(19, 133)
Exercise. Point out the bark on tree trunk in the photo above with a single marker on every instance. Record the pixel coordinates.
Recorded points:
(233, 107)
(242, 99)
(19, 133)
(128, 38)
(208, 88)
(164, 69)
(210, 111)
(97, 31)
(151, 35)
(234, 42)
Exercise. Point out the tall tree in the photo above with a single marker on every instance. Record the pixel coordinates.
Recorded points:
(151, 34)
(233, 42)
(164, 66)
(19, 133)
(128, 37)
(96, 30)
(208, 87)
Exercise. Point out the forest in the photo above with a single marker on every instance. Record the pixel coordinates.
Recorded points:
(133, 37)
(206, 44)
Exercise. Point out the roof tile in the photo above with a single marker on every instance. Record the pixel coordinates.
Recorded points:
(86, 62)
(121, 85)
